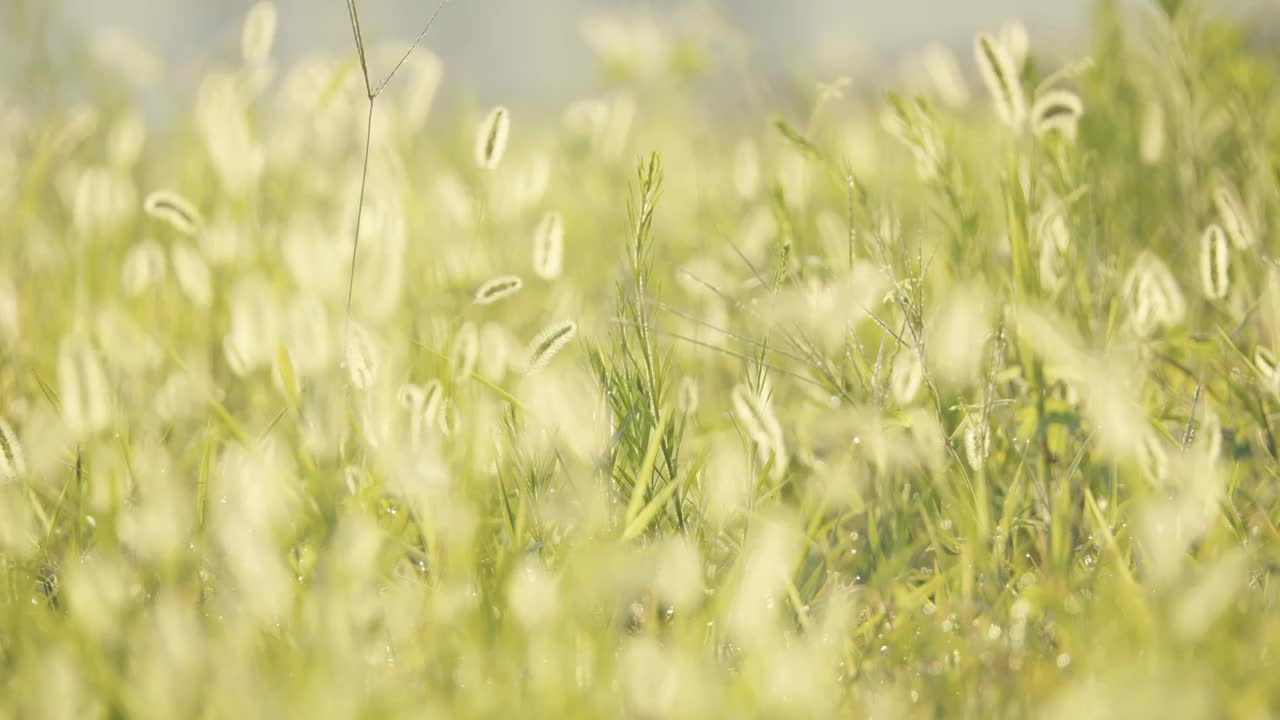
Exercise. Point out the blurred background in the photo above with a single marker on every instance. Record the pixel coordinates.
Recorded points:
(534, 53)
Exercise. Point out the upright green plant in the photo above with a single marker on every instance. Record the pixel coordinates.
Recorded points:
(644, 456)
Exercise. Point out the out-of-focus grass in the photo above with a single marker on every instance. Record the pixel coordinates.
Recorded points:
(904, 405)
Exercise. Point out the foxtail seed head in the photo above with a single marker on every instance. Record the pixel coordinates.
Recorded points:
(1153, 459)
(1016, 41)
(1154, 296)
(548, 246)
(144, 267)
(13, 464)
(491, 140)
(362, 358)
(1265, 361)
(977, 443)
(908, 376)
(83, 388)
(192, 274)
(1234, 217)
(498, 288)
(1002, 79)
(259, 33)
(1215, 257)
(170, 207)
(546, 344)
(945, 76)
(465, 352)
(1057, 111)
(761, 425)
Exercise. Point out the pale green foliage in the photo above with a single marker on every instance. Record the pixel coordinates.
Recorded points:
(939, 403)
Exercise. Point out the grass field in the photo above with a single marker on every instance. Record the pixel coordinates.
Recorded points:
(959, 400)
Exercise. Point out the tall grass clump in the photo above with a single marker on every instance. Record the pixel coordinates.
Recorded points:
(946, 389)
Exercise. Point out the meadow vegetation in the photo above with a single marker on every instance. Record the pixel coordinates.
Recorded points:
(946, 392)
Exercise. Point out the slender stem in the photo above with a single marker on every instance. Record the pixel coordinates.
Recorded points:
(372, 94)
(418, 40)
(355, 241)
(359, 38)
